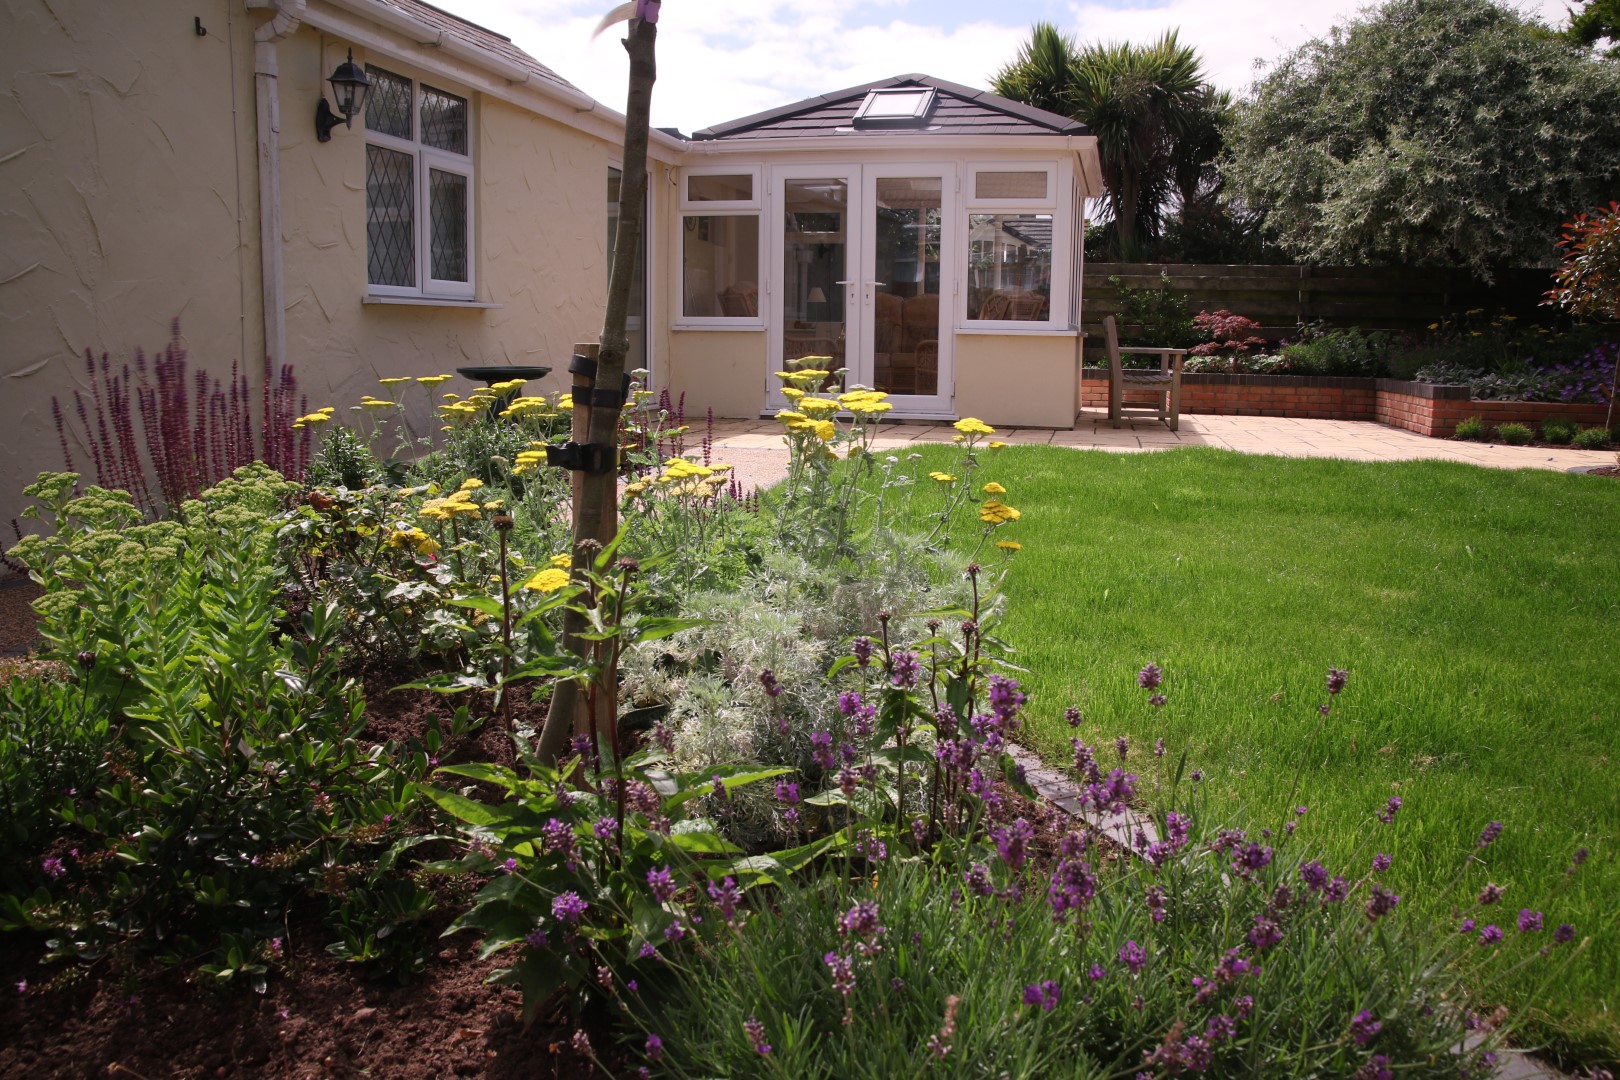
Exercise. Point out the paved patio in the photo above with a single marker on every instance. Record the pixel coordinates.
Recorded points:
(1355, 440)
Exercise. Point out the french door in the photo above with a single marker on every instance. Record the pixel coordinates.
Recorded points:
(861, 259)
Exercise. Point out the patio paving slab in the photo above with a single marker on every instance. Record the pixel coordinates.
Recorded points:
(1353, 440)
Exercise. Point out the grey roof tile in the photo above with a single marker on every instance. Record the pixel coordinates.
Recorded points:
(959, 110)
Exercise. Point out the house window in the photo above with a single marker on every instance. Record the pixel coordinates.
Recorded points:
(419, 189)
(1011, 226)
(720, 247)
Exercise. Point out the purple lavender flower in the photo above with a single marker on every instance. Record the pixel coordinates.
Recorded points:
(1114, 793)
(509, 866)
(1072, 715)
(1158, 748)
(1529, 920)
(843, 973)
(1045, 994)
(1467, 926)
(1391, 808)
(536, 939)
(977, 879)
(53, 868)
(568, 907)
(1232, 966)
(787, 791)
(1336, 679)
(849, 702)
(1155, 903)
(1177, 829)
(1381, 903)
(604, 828)
(1133, 956)
(1123, 746)
(1381, 862)
(1221, 1028)
(1364, 1027)
(1488, 835)
(726, 896)
(862, 649)
(661, 884)
(1581, 855)
(1085, 762)
(674, 931)
(1490, 935)
(1150, 677)
(868, 846)
(861, 924)
(1265, 934)
(1012, 842)
(1157, 700)
(1377, 1068)
(556, 837)
(1314, 875)
(1005, 698)
(1565, 933)
(581, 1042)
(1337, 890)
(767, 679)
(1097, 973)
(755, 1031)
(654, 1049)
(904, 668)
(1251, 859)
(1491, 893)
(1072, 888)
(821, 749)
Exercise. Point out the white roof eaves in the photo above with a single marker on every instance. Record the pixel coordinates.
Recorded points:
(388, 30)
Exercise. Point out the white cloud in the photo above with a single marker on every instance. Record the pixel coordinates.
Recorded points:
(722, 59)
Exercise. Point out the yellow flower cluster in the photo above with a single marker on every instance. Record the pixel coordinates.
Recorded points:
(525, 407)
(996, 512)
(798, 421)
(942, 477)
(865, 402)
(458, 504)
(377, 403)
(413, 538)
(972, 425)
(684, 477)
(319, 416)
(508, 386)
(548, 580)
(817, 405)
(395, 380)
(530, 459)
(993, 488)
(432, 380)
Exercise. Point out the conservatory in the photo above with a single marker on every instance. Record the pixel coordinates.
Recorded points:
(926, 236)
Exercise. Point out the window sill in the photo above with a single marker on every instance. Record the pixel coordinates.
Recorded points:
(1014, 329)
(431, 301)
(755, 327)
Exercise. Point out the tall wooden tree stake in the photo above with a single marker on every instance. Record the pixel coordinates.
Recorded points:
(596, 510)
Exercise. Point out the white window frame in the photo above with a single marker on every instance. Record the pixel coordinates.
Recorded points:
(1059, 179)
(689, 207)
(426, 158)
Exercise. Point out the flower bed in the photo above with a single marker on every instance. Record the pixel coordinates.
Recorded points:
(1424, 408)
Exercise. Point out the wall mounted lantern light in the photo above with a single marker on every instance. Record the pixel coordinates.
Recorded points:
(349, 85)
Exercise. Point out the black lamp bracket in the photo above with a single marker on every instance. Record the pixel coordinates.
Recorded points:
(326, 120)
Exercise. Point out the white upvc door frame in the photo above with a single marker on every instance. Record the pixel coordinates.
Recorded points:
(860, 283)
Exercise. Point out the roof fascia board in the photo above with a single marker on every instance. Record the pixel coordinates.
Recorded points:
(911, 142)
(390, 31)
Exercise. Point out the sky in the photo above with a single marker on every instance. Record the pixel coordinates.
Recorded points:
(723, 59)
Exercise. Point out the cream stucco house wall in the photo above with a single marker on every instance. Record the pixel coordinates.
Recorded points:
(160, 160)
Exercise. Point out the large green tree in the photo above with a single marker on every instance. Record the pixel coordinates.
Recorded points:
(1428, 132)
(1155, 118)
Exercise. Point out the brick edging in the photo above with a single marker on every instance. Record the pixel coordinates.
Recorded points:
(1425, 408)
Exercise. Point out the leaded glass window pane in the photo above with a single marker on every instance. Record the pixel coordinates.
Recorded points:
(388, 103)
(444, 120)
(391, 217)
(447, 207)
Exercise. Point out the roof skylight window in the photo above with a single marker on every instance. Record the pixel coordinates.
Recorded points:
(906, 107)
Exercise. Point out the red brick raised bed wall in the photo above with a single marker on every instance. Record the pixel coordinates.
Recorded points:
(1423, 408)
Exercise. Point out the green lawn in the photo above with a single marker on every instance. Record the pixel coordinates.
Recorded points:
(1477, 611)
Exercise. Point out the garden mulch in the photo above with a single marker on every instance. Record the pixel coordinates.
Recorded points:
(17, 619)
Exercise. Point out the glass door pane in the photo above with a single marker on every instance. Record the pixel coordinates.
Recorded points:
(815, 269)
(907, 219)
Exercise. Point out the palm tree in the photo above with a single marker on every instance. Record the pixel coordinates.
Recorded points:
(1140, 102)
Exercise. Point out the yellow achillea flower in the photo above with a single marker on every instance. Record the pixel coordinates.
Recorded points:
(942, 477)
(548, 580)
(792, 393)
(459, 503)
(637, 488)
(412, 538)
(312, 418)
(432, 380)
(394, 380)
(995, 512)
(993, 488)
(508, 386)
(562, 561)
(528, 460)
(824, 429)
(472, 483)
(452, 397)
(817, 405)
(369, 402)
(1009, 545)
(996, 444)
(972, 425)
